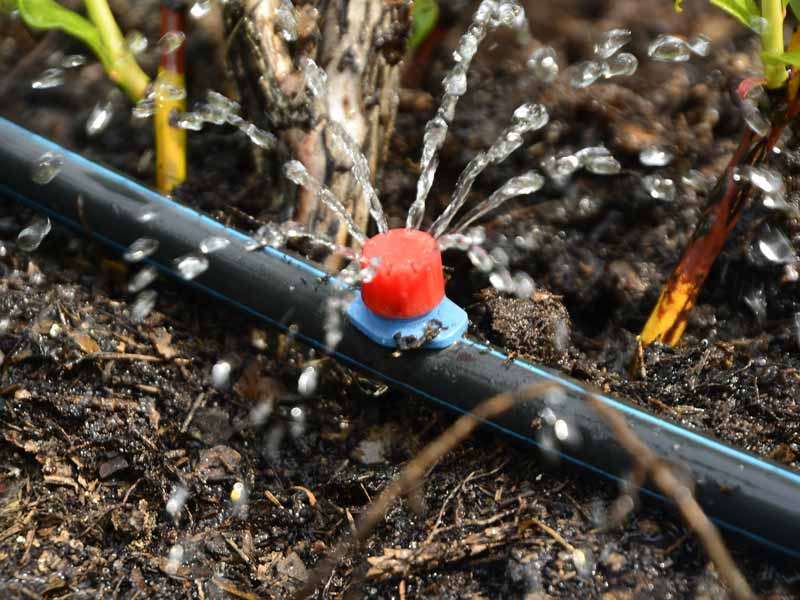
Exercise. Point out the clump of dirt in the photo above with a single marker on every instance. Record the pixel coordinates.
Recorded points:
(537, 327)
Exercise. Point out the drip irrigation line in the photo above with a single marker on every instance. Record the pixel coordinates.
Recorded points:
(742, 493)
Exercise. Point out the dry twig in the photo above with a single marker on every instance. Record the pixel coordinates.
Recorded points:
(414, 471)
(666, 480)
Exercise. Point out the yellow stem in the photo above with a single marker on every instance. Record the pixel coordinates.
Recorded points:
(772, 40)
(170, 141)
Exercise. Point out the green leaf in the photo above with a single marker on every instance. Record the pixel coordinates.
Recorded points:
(426, 14)
(744, 10)
(48, 14)
(787, 58)
(795, 6)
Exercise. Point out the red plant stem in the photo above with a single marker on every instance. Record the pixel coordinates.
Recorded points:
(172, 20)
(726, 203)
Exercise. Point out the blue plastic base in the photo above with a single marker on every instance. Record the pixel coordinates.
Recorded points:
(386, 331)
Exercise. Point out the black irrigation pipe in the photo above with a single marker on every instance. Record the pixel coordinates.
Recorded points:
(742, 493)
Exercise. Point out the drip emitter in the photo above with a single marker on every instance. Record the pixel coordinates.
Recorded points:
(403, 298)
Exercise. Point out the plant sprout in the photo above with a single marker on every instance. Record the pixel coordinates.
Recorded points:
(100, 32)
(102, 35)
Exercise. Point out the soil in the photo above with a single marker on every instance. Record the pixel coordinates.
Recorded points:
(104, 421)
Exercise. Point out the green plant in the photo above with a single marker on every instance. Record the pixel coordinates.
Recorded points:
(731, 195)
(99, 32)
(767, 20)
(426, 14)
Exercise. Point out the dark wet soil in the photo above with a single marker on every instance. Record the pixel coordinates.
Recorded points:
(102, 420)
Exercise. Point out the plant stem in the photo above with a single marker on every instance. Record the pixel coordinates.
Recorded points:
(725, 204)
(170, 141)
(772, 40)
(123, 70)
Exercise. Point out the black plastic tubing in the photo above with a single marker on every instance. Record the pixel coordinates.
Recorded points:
(742, 493)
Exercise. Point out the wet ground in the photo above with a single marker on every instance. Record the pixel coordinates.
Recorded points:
(105, 421)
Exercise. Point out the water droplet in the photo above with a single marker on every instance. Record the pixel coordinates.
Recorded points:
(221, 375)
(334, 307)
(187, 120)
(559, 168)
(307, 382)
(260, 413)
(766, 180)
(269, 234)
(500, 150)
(611, 41)
(529, 117)
(467, 47)
(758, 24)
(508, 14)
(171, 41)
(480, 259)
(585, 73)
(212, 114)
(524, 285)
(99, 118)
(136, 42)
(144, 277)
(696, 180)
(261, 138)
(369, 272)
(775, 246)
(167, 91)
(238, 493)
(47, 167)
(222, 102)
(191, 265)
(213, 244)
(297, 425)
(50, 78)
(30, 238)
(143, 305)
(656, 156)
(200, 9)
(756, 121)
(502, 281)
(756, 300)
(147, 215)
(140, 249)
(544, 64)
(316, 78)
(660, 188)
(144, 108)
(621, 65)
(584, 563)
(174, 559)
(72, 61)
(598, 160)
(456, 82)
(176, 500)
(668, 48)
(286, 21)
(700, 45)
